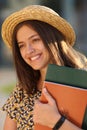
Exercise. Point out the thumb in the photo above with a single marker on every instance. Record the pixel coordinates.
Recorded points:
(48, 97)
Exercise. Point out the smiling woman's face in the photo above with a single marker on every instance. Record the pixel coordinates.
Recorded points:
(32, 48)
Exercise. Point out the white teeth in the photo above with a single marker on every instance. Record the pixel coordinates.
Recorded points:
(35, 57)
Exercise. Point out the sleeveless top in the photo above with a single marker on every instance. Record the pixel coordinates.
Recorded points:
(19, 107)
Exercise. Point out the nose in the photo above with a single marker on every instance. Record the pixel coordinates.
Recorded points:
(29, 49)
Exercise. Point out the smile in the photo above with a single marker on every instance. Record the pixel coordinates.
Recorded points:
(35, 57)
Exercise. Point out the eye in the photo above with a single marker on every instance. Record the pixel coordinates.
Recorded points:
(35, 40)
(20, 45)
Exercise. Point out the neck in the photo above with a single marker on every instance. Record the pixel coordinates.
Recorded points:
(43, 75)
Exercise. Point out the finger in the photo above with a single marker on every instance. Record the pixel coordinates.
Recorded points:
(36, 106)
(48, 97)
(37, 103)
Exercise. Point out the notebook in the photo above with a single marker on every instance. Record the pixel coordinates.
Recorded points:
(68, 86)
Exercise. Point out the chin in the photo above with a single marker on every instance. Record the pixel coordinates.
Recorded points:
(36, 68)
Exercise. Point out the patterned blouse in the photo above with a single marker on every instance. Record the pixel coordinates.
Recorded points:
(19, 107)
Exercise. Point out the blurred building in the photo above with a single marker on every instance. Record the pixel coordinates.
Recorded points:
(74, 11)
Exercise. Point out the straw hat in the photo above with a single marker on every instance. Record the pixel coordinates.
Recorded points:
(36, 12)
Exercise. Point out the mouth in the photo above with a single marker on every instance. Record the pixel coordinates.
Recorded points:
(35, 57)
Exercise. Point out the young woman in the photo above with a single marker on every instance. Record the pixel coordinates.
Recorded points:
(38, 36)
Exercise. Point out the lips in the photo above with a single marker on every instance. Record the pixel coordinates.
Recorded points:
(35, 57)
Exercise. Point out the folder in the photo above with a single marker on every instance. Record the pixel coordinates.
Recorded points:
(68, 86)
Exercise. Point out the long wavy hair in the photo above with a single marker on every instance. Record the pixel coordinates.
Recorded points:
(61, 52)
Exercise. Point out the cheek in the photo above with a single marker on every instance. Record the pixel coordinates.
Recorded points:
(47, 55)
(22, 54)
(41, 46)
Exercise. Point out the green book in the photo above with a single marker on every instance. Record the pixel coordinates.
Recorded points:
(67, 75)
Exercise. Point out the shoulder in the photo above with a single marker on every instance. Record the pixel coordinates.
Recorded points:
(16, 94)
(14, 102)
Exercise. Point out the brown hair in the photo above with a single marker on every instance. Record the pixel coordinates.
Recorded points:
(55, 43)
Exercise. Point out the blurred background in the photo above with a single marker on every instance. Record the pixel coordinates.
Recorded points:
(74, 11)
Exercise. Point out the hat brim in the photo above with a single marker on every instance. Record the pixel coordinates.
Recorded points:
(40, 13)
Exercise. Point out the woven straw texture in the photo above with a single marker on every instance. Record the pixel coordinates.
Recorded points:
(36, 12)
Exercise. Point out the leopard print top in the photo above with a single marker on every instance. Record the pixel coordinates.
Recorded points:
(19, 107)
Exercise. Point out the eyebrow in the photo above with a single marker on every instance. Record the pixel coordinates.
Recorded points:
(33, 36)
(19, 42)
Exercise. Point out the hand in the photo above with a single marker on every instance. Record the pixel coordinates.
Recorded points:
(46, 114)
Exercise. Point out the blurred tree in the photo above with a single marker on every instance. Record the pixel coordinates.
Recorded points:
(55, 5)
(3, 3)
(79, 4)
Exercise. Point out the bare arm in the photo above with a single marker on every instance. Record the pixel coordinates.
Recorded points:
(67, 125)
(10, 124)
